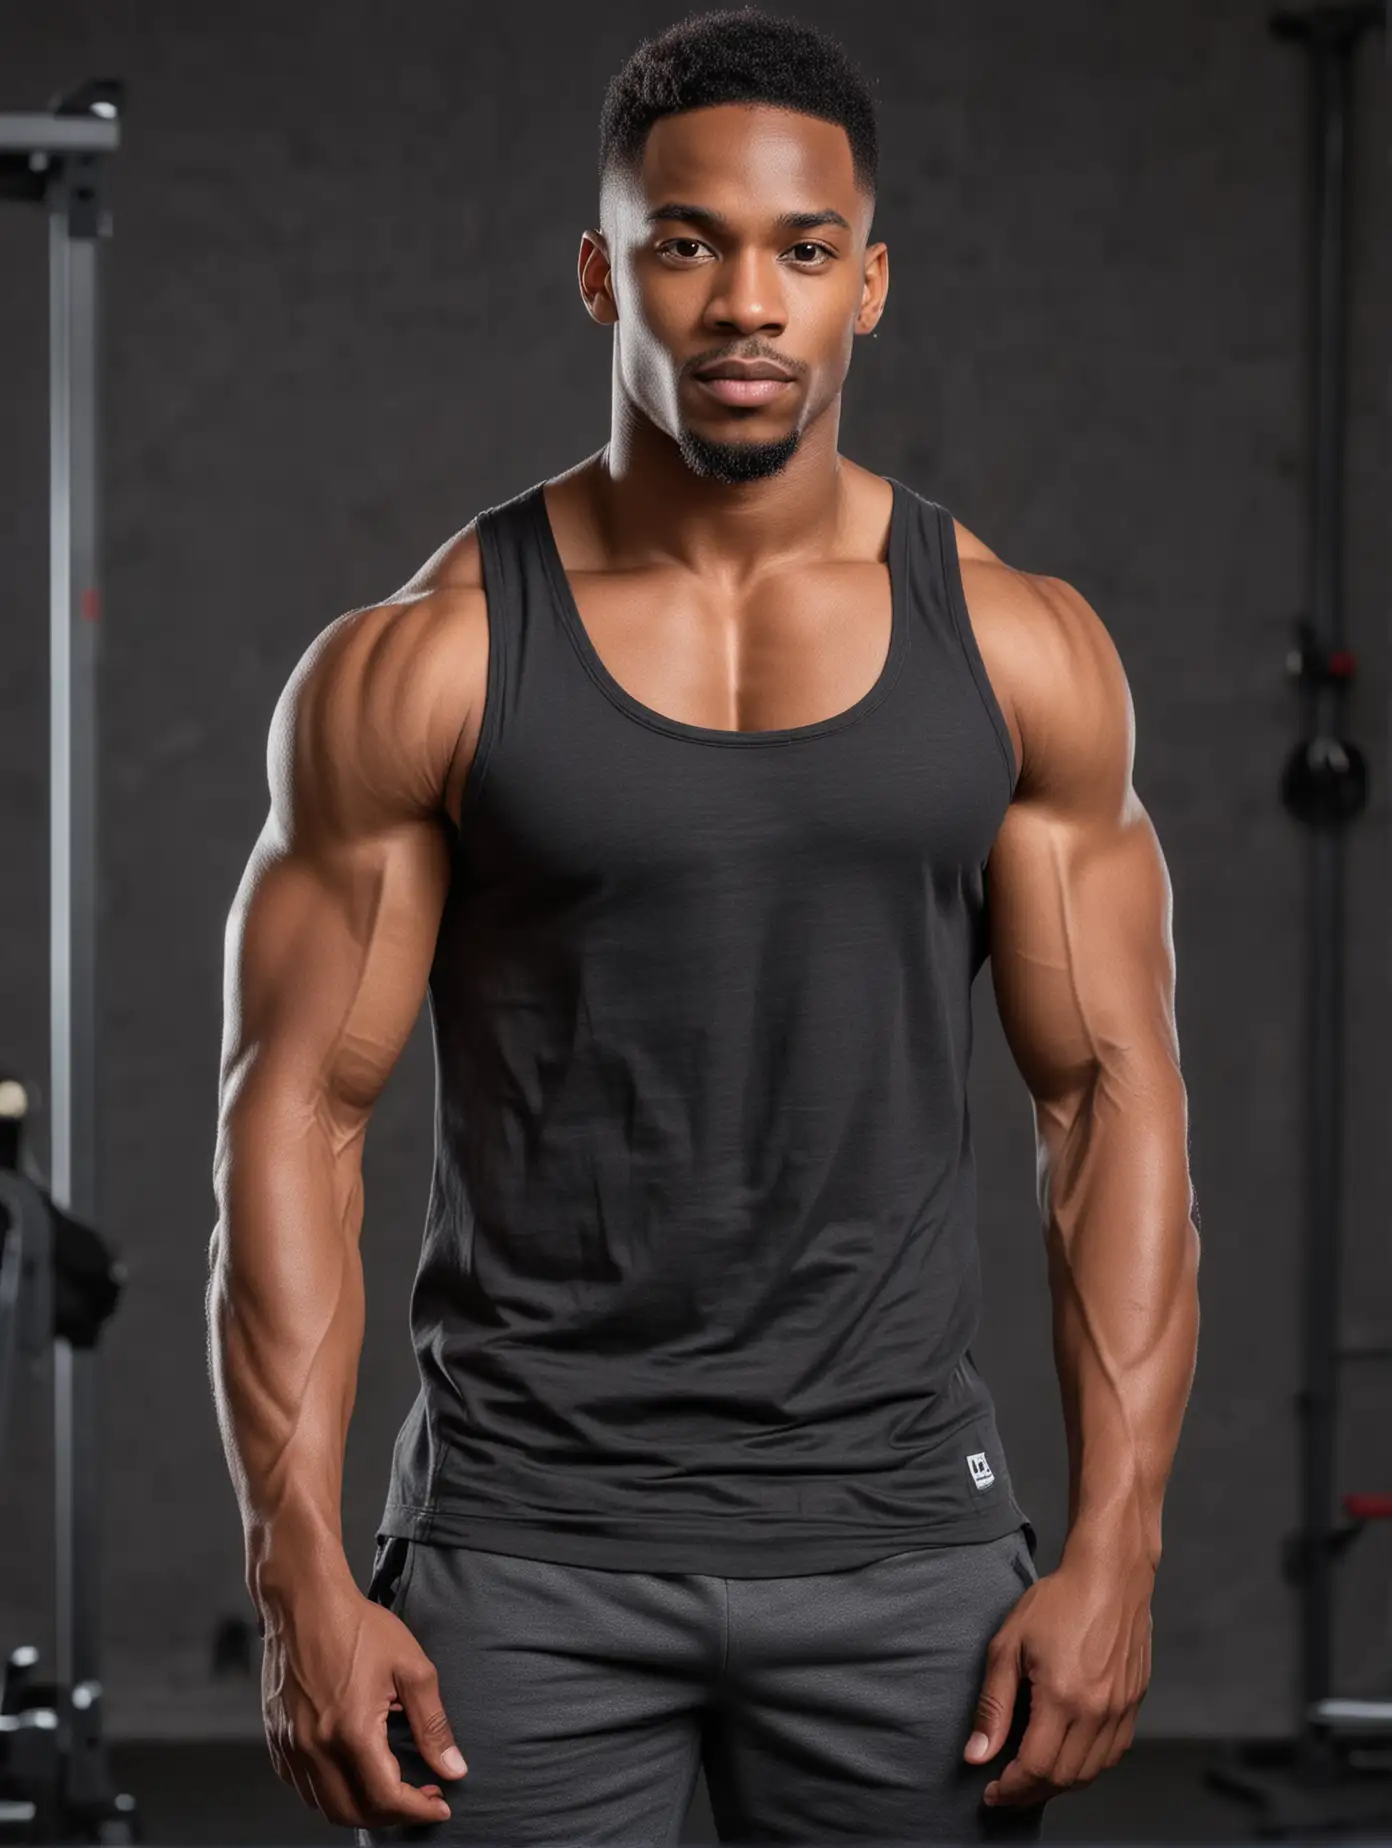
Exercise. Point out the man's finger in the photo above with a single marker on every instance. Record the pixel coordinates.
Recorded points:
(1027, 1777)
(995, 1706)
(1079, 1745)
(1100, 1756)
(300, 1784)
(278, 1764)
(1020, 1786)
(379, 1789)
(333, 1796)
(1125, 1734)
(419, 1690)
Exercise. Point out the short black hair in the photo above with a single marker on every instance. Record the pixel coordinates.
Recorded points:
(738, 55)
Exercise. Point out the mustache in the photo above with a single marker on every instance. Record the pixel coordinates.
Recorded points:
(745, 351)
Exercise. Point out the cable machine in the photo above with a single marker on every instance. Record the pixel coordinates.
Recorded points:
(1338, 1771)
(54, 1781)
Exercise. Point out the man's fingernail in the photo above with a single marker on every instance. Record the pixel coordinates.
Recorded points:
(977, 1743)
(454, 1763)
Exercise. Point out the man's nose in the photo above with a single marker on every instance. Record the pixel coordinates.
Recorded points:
(748, 296)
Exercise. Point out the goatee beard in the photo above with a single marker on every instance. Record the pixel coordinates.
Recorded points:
(734, 463)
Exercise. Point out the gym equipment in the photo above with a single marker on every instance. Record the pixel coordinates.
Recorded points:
(57, 159)
(1336, 1772)
(58, 1281)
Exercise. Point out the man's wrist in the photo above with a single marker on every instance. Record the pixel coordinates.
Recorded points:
(1114, 1540)
(292, 1557)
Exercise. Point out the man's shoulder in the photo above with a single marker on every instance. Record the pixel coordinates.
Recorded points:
(455, 566)
(1048, 654)
(389, 686)
(435, 615)
(1037, 609)
(1039, 615)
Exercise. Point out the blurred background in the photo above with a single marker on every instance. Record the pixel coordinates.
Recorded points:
(339, 317)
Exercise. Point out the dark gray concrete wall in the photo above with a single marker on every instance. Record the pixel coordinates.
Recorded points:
(341, 317)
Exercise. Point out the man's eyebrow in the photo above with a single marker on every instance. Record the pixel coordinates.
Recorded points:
(712, 221)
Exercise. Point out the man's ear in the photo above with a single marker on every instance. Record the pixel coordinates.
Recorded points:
(596, 279)
(876, 288)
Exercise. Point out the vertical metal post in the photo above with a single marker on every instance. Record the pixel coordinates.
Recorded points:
(75, 607)
(1329, 35)
(54, 159)
(1325, 930)
(1317, 1787)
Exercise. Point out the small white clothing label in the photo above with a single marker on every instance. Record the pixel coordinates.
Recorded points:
(981, 1472)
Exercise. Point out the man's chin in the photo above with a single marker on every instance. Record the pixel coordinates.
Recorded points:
(735, 463)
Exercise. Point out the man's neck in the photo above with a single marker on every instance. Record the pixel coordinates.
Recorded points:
(648, 504)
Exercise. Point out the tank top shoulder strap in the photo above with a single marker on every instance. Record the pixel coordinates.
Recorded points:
(940, 604)
(522, 641)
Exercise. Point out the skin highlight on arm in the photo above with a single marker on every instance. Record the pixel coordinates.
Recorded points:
(1083, 966)
(321, 989)
(328, 950)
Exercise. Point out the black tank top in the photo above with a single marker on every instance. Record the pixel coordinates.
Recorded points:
(699, 1279)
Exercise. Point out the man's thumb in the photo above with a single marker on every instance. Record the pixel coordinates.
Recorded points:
(994, 1706)
(430, 1727)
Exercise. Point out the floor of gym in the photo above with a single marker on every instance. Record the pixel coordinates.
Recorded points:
(224, 1791)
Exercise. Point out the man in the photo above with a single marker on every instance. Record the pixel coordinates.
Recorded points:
(681, 782)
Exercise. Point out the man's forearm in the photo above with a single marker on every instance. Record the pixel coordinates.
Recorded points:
(285, 1325)
(1123, 1266)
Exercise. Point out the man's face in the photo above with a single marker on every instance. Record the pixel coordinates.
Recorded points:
(740, 243)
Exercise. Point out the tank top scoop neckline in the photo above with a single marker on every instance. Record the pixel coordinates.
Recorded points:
(897, 557)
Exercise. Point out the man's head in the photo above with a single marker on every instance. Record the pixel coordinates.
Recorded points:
(737, 171)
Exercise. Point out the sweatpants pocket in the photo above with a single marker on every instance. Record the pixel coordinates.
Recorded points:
(389, 1565)
(1024, 1558)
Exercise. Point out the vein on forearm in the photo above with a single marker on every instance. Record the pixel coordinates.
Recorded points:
(286, 1308)
(1122, 1253)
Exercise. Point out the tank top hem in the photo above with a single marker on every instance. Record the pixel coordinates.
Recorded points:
(624, 1546)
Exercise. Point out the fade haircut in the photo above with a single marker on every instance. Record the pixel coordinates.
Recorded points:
(737, 55)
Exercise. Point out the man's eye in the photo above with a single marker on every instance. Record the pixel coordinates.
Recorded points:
(682, 246)
(810, 252)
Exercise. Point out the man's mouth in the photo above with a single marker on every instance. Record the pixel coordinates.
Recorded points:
(741, 388)
(744, 381)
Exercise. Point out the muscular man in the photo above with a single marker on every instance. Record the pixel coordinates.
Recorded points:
(695, 785)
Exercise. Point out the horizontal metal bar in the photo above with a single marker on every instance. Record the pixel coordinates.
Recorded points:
(1353, 1713)
(52, 134)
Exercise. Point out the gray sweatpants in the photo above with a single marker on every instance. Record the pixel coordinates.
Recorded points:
(831, 1706)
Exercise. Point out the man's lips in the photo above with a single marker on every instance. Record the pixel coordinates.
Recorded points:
(743, 390)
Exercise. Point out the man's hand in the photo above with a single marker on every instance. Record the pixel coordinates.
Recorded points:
(1081, 1637)
(333, 1668)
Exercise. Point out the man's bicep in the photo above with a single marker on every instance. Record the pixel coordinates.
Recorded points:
(328, 952)
(331, 935)
(1080, 900)
(1081, 954)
